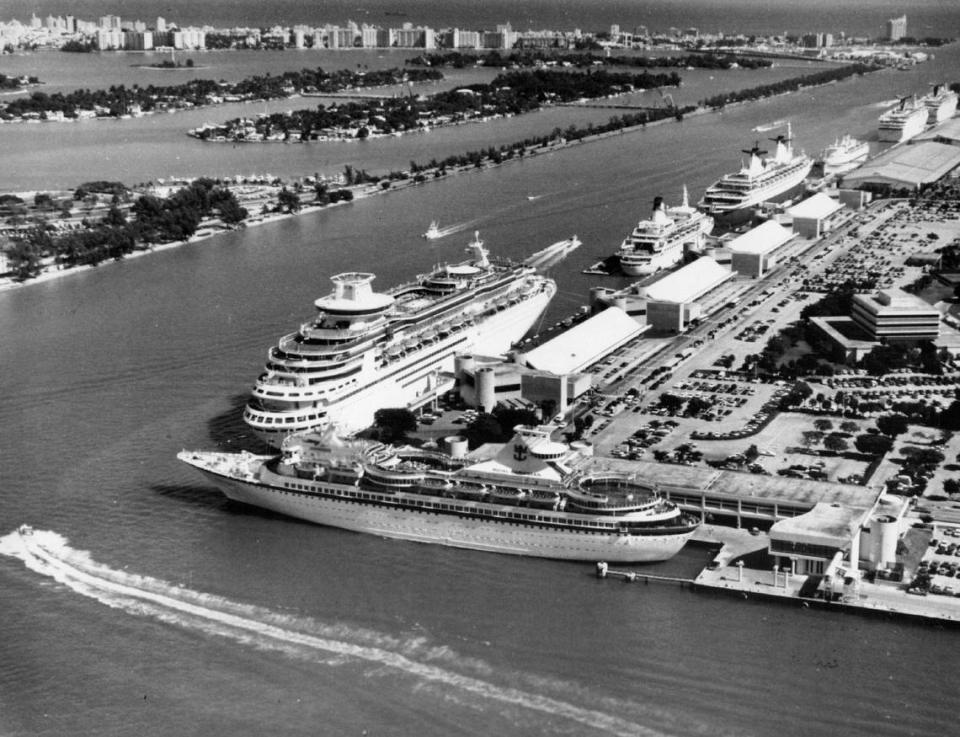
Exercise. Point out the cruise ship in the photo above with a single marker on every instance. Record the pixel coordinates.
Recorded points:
(366, 350)
(904, 121)
(941, 104)
(658, 243)
(844, 154)
(533, 496)
(761, 179)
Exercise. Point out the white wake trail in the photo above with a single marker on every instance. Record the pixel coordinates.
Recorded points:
(49, 554)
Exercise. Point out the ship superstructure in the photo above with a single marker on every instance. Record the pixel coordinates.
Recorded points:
(760, 179)
(903, 122)
(941, 104)
(659, 242)
(366, 350)
(534, 496)
(844, 154)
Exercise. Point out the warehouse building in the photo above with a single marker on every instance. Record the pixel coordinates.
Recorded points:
(584, 344)
(906, 167)
(678, 298)
(815, 215)
(752, 254)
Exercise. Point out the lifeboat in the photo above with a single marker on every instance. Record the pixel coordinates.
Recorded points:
(507, 495)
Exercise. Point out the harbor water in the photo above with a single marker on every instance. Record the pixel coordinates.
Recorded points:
(259, 624)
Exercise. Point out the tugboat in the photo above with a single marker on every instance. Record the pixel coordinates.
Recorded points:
(433, 231)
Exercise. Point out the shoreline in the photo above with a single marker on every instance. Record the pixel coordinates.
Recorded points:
(371, 189)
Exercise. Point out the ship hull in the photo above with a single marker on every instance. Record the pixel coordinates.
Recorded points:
(486, 535)
(405, 382)
(649, 267)
(911, 127)
(942, 110)
(732, 210)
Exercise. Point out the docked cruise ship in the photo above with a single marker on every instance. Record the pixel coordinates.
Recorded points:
(761, 179)
(904, 121)
(533, 496)
(844, 154)
(941, 104)
(658, 243)
(366, 350)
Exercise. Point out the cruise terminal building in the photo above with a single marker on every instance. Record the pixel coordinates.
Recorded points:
(682, 296)
(753, 253)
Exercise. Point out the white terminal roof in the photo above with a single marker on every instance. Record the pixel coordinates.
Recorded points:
(829, 525)
(946, 132)
(760, 240)
(692, 281)
(914, 164)
(818, 207)
(584, 343)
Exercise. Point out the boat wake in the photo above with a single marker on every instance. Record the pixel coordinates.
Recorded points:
(437, 233)
(50, 554)
(553, 254)
(769, 126)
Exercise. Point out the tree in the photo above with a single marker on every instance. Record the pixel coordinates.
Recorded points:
(509, 418)
(697, 405)
(835, 443)
(950, 417)
(288, 201)
(812, 437)
(951, 486)
(849, 426)
(893, 425)
(671, 403)
(484, 429)
(393, 423)
(874, 445)
(823, 425)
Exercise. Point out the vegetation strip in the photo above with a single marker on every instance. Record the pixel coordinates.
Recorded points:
(120, 100)
(510, 93)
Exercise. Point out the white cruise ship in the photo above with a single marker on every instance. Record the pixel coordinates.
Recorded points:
(366, 350)
(844, 154)
(941, 104)
(904, 121)
(658, 243)
(533, 496)
(759, 180)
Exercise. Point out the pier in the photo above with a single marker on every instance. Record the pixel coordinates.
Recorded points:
(604, 571)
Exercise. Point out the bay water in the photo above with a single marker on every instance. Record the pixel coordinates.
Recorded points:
(299, 629)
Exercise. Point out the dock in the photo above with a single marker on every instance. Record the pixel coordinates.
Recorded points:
(727, 574)
(604, 571)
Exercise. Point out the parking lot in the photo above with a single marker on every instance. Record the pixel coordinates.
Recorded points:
(939, 569)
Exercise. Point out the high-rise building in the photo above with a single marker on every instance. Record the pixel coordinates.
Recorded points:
(897, 28)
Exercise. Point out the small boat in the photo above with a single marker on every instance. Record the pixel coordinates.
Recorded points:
(433, 231)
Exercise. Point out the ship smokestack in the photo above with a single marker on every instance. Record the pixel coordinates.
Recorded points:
(658, 204)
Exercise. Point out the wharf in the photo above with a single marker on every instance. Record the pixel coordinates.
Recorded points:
(726, 574)
(604, 571)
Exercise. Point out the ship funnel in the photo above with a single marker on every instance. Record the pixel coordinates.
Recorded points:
(478, 251)
(686, 198)
(660, 212)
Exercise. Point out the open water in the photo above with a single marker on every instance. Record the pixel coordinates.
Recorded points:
(249, 624)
